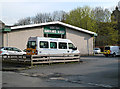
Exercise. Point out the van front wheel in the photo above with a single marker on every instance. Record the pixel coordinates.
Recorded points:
(114, 54)
(106, 55)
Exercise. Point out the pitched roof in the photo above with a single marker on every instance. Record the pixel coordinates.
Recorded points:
(56, 22)
(1, 22)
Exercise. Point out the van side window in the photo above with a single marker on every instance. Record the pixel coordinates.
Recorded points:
(71, 46)
(44, 44)
(62, 45)
(53, 45)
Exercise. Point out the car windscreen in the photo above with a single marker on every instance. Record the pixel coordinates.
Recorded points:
(31, 44)
(107, 48)
(96, 49)
(1, 47)
(71, 46)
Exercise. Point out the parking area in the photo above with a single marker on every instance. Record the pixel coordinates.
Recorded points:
(92, 71)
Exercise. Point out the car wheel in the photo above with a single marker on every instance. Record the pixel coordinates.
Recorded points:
(5, 56)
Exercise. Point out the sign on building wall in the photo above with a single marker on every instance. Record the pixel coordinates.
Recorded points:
(54, 30)
(6, 29)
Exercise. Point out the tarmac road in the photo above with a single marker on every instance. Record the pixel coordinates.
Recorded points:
(98, 71)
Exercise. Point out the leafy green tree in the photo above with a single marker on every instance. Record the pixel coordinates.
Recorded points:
(101, 15)
(82, 17)
(107, 34)
(97, 20)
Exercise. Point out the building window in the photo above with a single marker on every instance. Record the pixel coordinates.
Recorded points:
(44, 44)
(62, 45)
(53, 45)
(55, 36)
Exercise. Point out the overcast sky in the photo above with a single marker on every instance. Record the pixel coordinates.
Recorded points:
(13, 10)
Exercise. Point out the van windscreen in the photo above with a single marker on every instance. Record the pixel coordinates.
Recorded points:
(31, 44)
(107, 48)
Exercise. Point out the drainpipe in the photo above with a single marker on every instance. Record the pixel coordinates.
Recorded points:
(94, 44)
(95, 35)
(7, 39)
(2, 39)
(88, 46)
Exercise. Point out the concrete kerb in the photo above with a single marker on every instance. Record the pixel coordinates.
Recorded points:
(16, 69)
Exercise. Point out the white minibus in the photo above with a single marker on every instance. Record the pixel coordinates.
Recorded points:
(42, 45)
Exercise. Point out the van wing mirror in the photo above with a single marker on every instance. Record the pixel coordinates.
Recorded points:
(74, 48)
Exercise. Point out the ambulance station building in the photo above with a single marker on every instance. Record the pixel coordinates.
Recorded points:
(18, 36)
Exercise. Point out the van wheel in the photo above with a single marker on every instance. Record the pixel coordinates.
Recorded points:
(4, 56)
(24, 54)
(114, 54)
(106, 55)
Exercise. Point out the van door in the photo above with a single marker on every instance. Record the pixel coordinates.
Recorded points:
(53, 48)
(43, 47)
(72, 48)
(107, 50)
(62, 47)
(31, 48)
(119, 51)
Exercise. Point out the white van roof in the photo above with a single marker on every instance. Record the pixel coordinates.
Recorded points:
(48, 39)
(112, 46)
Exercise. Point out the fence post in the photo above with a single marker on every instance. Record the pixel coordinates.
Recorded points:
(23, 57)
(31, 57)
(17, 58)
(79, 57)
(2, 57)
(49, 59)
(7, 56)
(64, 57)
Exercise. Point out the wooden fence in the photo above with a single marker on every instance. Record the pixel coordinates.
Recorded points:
(42, 59)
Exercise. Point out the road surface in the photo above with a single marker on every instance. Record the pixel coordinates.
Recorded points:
(97, 71)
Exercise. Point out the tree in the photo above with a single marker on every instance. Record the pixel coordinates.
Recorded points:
(82, 17)
(116, 18)
(24, 21)
(101, 15)
(119, 5)
(58, 16)
(107, 34)
(42, 18)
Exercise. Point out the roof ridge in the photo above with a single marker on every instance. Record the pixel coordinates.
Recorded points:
(54, 22)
